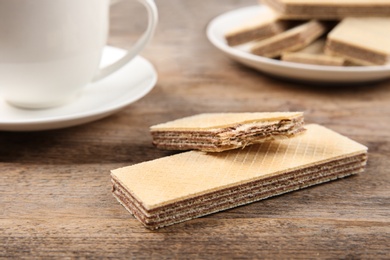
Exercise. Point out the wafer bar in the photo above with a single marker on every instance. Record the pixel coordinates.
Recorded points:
(266, 24)
(193, 184)
(363, 41)
(203, 204)
(329, 10)
(314, 54)
(291, 40)
(216, 132)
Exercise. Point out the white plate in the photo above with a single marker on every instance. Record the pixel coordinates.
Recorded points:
(303, 72)
(98, 100)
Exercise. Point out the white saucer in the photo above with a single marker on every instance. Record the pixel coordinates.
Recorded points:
(303, 72)
(98, 100)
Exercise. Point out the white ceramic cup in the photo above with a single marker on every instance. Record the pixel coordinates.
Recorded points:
(51, 49)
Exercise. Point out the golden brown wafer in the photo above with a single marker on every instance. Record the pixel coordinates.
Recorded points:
(330, 10)
(265, 25)
(290, 40)
(362, 41)
(313, 54)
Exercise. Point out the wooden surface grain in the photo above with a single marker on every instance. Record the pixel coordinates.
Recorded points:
(55, 190)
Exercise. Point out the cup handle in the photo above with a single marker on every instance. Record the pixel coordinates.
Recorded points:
(138, 46)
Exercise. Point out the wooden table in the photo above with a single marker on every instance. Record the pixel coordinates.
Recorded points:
(55, 185)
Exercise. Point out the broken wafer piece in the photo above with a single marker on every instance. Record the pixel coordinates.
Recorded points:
(216, 132)
(265, 25)
(363, 41)
(313, 54)
(329, 10)
(290, 40)
(184, 186)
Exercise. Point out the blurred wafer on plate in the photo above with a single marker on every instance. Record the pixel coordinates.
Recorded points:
(313, 54)
(325, 9)
(266, 24)
(291, 40)
(362, 41)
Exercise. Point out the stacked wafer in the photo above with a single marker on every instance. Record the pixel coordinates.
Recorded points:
(193, 184)
(256, 29)
(313, 54)
(363, 41)
(358, 34)
(329, 10)
(216, 132)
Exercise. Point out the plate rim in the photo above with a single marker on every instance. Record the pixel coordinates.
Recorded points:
(221, 45)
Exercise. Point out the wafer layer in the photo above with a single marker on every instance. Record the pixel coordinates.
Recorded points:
(325, 9)
(192, 184)
(290, 40)
(364, 41)
(224, 131)
(266, 25)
